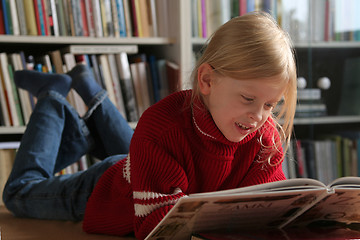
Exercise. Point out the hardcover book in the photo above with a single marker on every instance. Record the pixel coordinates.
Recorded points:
(277, 205)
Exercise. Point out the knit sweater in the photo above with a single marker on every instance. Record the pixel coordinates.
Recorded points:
(176, 150)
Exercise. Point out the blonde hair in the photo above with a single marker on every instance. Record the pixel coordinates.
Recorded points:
(253, 46)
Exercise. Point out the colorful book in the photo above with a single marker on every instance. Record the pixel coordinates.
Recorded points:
(99, 32)
(115, 18)
(21, 16)
(7, 17)
(14, 17)
(90, 17)
(121, 18)
(14, 118)
(116, 83)
(84, 18)
(2, 24)
(127, 13)
(30, 17)
(127, 87)
(281, 205)
(16, 96)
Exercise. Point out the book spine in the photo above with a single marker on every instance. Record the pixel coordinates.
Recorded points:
(127, 87)
(127, 13)
(90, 17)
(83, 14)
(7, 17)
(16, 96)
(8, 89)
(2, 23)
(97, 18)
(121, 18)
(14, 17)
(115, 19)
(60, 27)
(30, 17)
(45, 17)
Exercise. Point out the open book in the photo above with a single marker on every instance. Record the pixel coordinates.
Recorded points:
(292, 202)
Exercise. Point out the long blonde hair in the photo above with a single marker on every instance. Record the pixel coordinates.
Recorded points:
(253, 46)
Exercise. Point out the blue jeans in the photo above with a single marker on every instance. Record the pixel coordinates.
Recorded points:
(55, 138)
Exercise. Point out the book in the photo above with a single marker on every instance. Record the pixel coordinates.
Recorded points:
(127, 87)
(8, 88)
(120, 15)
(14, 17)
(127, 15)
(173, 76)
(309, 94)
(90, 17)
(54, 19)
(107, 78)
(141, 87)
(4, 106)
(21, 17)
(84, 18)
(30, 18)
(7, 17)
(14, 90)
(7, 157)
(115, 19)
(76, 16)
(116, 84)
(24, 95)
(97, 18)
(278, 205)
(2, 24)
(45, 9)
(73, 97)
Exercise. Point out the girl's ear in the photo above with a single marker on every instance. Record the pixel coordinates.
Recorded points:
(205, 78)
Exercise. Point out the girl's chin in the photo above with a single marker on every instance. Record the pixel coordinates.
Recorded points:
(236, 139)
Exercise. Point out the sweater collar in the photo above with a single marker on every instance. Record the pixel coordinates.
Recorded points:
(206, 127)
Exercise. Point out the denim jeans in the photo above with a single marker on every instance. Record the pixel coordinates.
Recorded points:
(55, 138)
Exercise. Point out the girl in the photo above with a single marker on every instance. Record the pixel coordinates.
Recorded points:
(220, 135)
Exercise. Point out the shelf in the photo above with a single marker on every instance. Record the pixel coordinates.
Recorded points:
(21, 130)
(6, 39)
(12, 130)
(334, 44)
(297, 121)
(327, 120)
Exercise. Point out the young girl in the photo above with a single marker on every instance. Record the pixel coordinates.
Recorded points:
(220, 135)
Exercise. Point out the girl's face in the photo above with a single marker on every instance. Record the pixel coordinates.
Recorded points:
(240, 107)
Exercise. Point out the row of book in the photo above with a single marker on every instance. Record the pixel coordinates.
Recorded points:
(306, 20)
(7, 156)
(322, 20)
(324, 159)
(208, 15)
(134, 81)
(90, 18)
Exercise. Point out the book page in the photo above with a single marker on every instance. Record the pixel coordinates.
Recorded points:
(286, 185)
(341, 209)
(350, 182)
(235, 211)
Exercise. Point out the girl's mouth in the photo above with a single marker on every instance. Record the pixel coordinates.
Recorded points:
(242, 126)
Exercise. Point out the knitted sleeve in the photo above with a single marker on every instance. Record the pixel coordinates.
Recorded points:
(157, 180)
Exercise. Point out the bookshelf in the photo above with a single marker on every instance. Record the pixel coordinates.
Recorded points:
(316, 58)
(170, 46)
(325, 35)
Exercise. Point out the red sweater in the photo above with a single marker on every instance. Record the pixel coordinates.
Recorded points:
(175, 151)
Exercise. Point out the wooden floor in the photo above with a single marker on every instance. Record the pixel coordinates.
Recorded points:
(12, 228)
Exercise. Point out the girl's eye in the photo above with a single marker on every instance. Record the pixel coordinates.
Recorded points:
(270, 105)
(247, 98)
